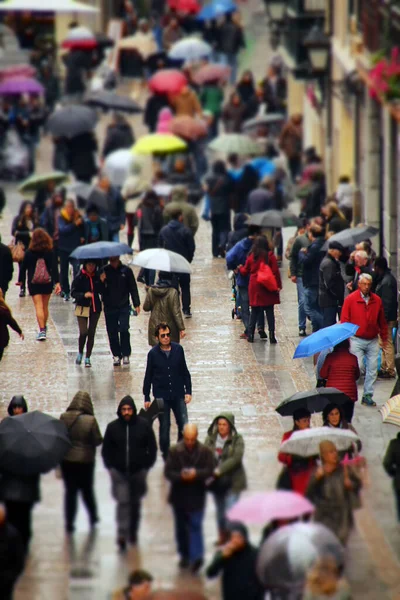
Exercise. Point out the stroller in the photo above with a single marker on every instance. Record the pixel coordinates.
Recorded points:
(235, 296)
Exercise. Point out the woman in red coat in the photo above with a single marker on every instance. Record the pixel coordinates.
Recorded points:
(261, 299)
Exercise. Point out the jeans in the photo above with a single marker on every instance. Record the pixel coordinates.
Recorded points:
(189, 533)
(231, 61)
(183, 280)
(117, 323)
(257, 312)
(368, 349)
(329, 314)
(65, 261)
(179, 408)
(78, 477)
(127, 491)
(223, 502)
(301, 302)
(245, 310)
(221, 226)
(388, 351)
(113, 236)
(312, 308)
(87, 331)
(294, 164)
(206, 208)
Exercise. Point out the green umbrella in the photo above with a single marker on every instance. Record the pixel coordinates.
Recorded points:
(235, 143)
(34, 182)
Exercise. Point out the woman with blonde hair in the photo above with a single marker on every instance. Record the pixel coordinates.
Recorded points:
(40, 263)
(324, 582)
(335, 219)
(6, 320)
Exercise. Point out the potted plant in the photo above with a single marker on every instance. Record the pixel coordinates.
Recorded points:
(385, 78)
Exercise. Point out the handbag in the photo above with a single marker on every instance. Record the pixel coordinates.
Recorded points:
(220, 485)
(17, 252)
(82, 311)
(266, 278)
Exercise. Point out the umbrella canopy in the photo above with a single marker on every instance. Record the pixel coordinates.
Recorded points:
(235, 143)
(390, 411)
(111, 101)
(314, 400)
(99, 250)
(103, 41)
(188, 128)
(212, 73)
(167, 81)
(61, 6)
(80, 189)
(287, 555)
(99, 199)
(20, 85)
(80, 37)
(352, 236)
(159, 143)
(118, 165)
(274, 122)
(306, 442)
(324, 339)
(71, 121)
(185, 7)
(265, 507)
(159, 259)
(142, 43)
(17, 71)
(32, 443)
(34, 182)
(273, 218)
(216, 9)
(190, 49)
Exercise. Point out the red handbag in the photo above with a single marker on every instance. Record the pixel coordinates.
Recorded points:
(266, 278)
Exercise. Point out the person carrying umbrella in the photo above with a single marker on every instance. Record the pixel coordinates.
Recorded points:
(119, 135)
(162, 301)
(332, 416)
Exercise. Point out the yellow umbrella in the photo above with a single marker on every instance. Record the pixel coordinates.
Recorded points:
(159, 143)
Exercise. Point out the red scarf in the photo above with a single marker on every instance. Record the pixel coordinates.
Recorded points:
(91, 287)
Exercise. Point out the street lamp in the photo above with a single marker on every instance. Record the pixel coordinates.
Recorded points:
(319, 45)
(276, 10)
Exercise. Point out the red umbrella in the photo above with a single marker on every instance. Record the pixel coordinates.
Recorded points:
(212, 72)
(167, 81)
(190, 7)
(188, 128)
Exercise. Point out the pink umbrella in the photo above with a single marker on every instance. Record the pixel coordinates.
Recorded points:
(265, 507)
(17, 71)
(212, 73)
(20, 85)
(167, 81)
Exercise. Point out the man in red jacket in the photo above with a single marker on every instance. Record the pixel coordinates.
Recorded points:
(365, 309)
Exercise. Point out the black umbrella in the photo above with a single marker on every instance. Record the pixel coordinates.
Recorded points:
(352, 236)
(273, 218)
(111, 101)
(32, 443)
(71, 121)
(103, 41)
(314, 400)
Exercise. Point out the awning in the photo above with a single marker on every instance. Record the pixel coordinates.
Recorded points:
(65, 6)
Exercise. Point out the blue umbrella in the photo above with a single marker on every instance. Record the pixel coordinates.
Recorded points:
(325, 338)
(100, 250)
(215, 9)
(263, 166)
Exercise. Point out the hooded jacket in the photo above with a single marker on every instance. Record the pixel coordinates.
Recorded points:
(179, 201)
(15, 402)
(177, 238)
(238, 256)
(129, 446)
(82, 284)
(83, 429)
(231, 461)
(162, 300)
(119, 286)
(119, 135)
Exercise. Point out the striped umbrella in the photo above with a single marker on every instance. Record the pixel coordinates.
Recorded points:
(390, 411)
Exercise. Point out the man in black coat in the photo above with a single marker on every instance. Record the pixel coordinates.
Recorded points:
(386, 289)
(118, 286)
(331, 285)
(189, 465)
(237, 561)
(12, 556)
(310, 258)
(176, 237)
(168, 375)
(129, 451)
(119, 135)
(6, 267)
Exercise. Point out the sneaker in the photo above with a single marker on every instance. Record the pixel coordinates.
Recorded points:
(41, 336)
(302, 332)
(262, 334)
(88, 364)
(78, 360)
(116, 361)
(184, 563)
(141, 279)
(187, 314)
(125, 360)
(22, 293)
(367, 400)
(67, 298)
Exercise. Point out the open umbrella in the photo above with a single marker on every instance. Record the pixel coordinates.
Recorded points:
(99, 250)
(216, 9)
(159, 259)
(287, 555)
(20, 85)
(273, 121)
(273, 218)
(184, 7)
(190, 49)
(167, 81)
(35, 182)
(159, 143)
(118, 165)
(17, 71)
(71, 121)
(80, 189)
(212, 73)
(111, 101)
(325, 338)
(188, 128)
(48, 6)
(32, 443)
(352, 236)
(235, 143)
(390, 411)
(306, 441)
(264, 507)
(80, 38)
(313, 400)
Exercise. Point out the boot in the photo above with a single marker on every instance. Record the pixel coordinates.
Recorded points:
(272, 338)
(130, 239)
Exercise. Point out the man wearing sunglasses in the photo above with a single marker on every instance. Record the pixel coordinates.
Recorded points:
(167, 374)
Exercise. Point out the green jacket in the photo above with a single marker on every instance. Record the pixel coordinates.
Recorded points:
(232, 454)
(83, 429)
(190, 218)
(211, 99)
(162, 300)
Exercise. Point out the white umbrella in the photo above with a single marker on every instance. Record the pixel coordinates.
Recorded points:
(190, 49)
(118, 165)
(62, 6)
(306, 442)
(159, 259)
(163, 189)
(80, 33)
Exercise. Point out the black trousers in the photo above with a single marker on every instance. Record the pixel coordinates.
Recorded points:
(183, 281)
(348, 410)
(221, 226)
(87, 330)
(19, 514)
(256, 314)
(78, 477)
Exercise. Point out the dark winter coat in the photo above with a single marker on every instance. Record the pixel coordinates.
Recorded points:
(12, 558)
(81, 285)
(102, 227)
(115, 215)
(386, 289)
(258, 294)
(311, 261)
(391, 461)
(119, 135)
(7, 320)
(69, 234)
(296, 267)
(260, 200)
(167, 375)
(238, 256)
(49, 219)
(162, 300)
(219, 190)
(233, 116)
(83, 429)
(275, 95)
(239, 580)
(119, 287)
(177, 238)
(6, 267)
(81, 151)
(153, 106)
(129, 446)
(21, 231)
(231, 462)
(188, 495)
(230, 39)
(331, 284)
(74, 80)
(341, 371)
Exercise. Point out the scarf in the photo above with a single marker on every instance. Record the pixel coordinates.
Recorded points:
(91, 287)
